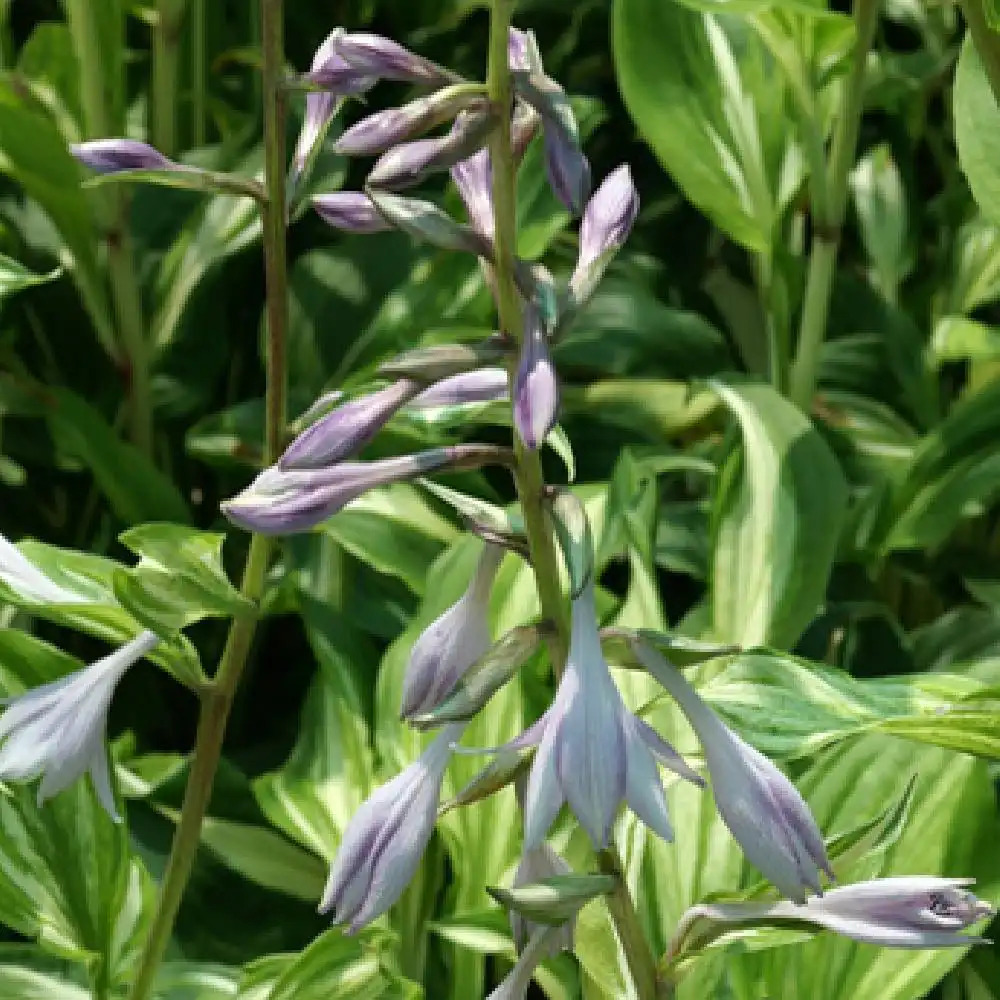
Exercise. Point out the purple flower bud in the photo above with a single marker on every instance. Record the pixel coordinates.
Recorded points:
(592, 752)
(351, 211)
(284, 501)
(347, 429)
(452, 643)
(378, 132)
(329, 69)
(484, 385)
(109, 156)
(606, 225)
(761, 807)
(427, 223)
(386, 838)
(536, 387)
(567, 168)
(520, 46)
(385, 59)
(474, 179)
(408, 164)
(913, 911)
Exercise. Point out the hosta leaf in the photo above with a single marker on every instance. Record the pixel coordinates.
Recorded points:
(778, 513)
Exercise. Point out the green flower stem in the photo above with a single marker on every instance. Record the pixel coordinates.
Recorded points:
(199, 72)
(218, 695)
(826, 240)
(102, 94)
(528, 469)
(166, 58)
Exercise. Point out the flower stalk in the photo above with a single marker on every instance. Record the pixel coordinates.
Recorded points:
(826, 235)
(218, 695)
(528, 476)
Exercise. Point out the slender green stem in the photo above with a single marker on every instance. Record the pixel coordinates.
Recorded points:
(218, 695)
(166, 59)
(826, 240)
(528, 476)
(986, 40)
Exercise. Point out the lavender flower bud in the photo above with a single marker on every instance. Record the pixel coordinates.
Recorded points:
(485, 385)
(567, 167)
(283, 502)
(347, 429)
(58, 730)
(427, 223)
(386, 838)
(536, 387)
(377, 133)
(385, 59)
(452, 643)
(110, 156)
(606, 225)
(408, 164)
(761, 807)
(912, 911)
(474, 179)
(351, 211)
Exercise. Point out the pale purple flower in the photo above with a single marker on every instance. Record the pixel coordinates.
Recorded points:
(351, 211)
(452, 643)
(515, 985)
(386, 838)
(592, 752)
(381, 57)
(536, 386)
(342, 79)
(911, 911)
(58, 730)
(483, 385)
(536, 865)
(474, 179)
(110, 156)
(285, 501)
(410, 162)
(345, 430)
(607, 222)
(761, 807)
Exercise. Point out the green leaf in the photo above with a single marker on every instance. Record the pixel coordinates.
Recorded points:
(957, 338)
(778, 513)
(26, 973)
(135, 488)
(14, 276)
(695, 112)
(977, 130)
(179, 579)
(191, 981)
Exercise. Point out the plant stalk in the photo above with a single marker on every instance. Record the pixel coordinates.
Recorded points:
(166, 58)
(199, 72)
(986, 40)
(826, 238)
(218, 695)
(528, 475)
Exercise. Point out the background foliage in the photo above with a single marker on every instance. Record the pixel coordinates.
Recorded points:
(852, 547)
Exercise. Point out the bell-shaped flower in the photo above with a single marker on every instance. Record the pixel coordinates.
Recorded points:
(473, 177)
(592, 752)
(384, 59)
(284, 501)
(536, 387)
(28, 581)
(110, 156)
(761, 807)
(452, 643)
(386, 838)
(351, 211)
(345, 430)
(539, 946)
(57, 731)
(910, 911)
(483, 385)
(607, 222)
(536, 865)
